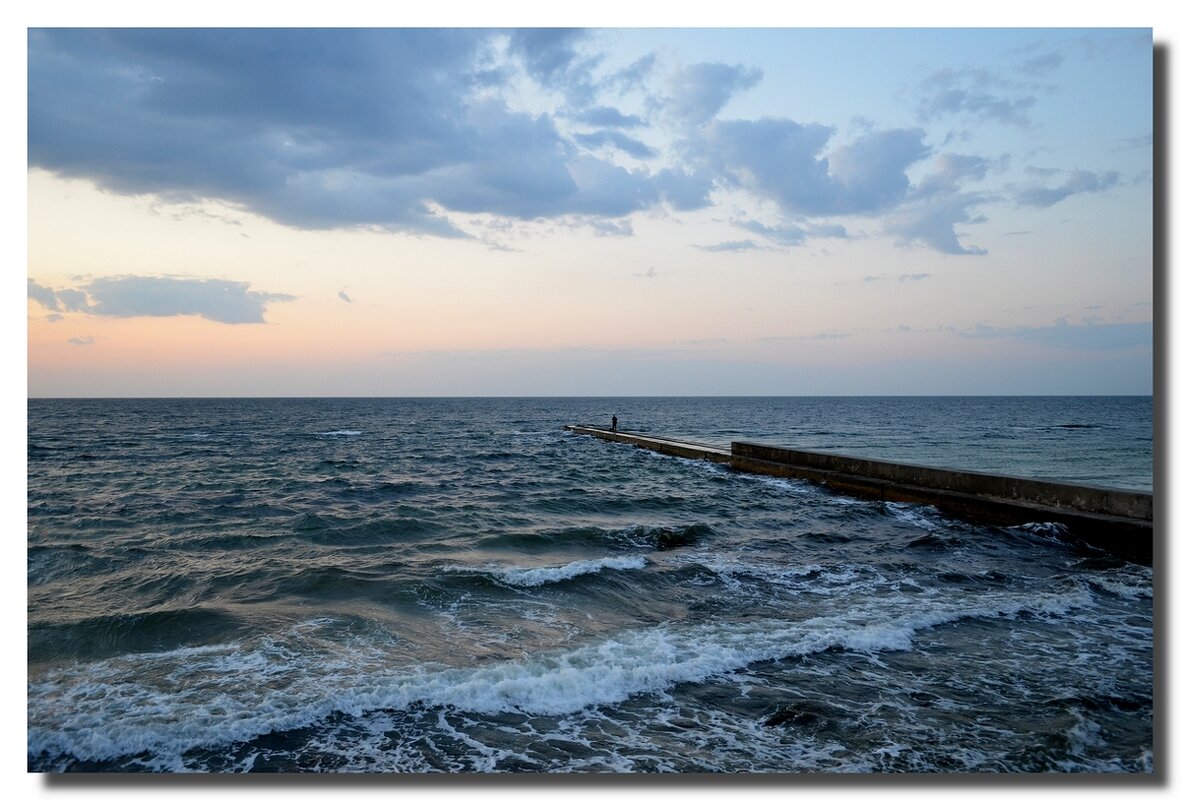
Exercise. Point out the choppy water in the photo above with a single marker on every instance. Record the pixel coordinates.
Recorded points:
(460, 585)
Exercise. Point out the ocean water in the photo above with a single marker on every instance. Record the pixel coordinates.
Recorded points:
(397, 585)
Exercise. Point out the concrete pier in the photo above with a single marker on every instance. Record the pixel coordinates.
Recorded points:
(1119, 521)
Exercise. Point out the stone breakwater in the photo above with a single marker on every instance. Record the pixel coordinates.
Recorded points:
(1120, 521)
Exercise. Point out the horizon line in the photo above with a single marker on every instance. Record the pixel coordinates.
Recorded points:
(589, 397)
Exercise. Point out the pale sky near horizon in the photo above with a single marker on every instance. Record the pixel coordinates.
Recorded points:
(604, 212)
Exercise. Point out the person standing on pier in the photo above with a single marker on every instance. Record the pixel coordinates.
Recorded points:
(614, 423)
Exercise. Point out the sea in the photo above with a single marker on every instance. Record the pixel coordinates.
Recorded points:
(462, 586)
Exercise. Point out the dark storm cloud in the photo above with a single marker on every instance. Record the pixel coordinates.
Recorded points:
(145, 296)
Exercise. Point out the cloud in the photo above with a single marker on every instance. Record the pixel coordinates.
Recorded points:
(684, 190)
(932, 221)
(43, 295)
(701, 90)
(939, 204)
(81, 341)
(828, 231)
(633, 147)
(1040, 65)
(608, 227)
(794, 234)
(730, 247)
(552, 58)
(1134, 143)
(58, 300)
(1087, 337)
(974, 94)
(823, 335)
(144, 296)
(1080, 182)
(903, 278)
(523, 168)
(312, 129)
(785, 161)
(608, 117)
(341, 294)
(781, 234)
(547, 51)
(871, 169)
(952, 169)
(633, 76)
(315, 129)
(404, 130)
(868, 175)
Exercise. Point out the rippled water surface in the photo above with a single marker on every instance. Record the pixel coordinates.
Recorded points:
(460, 585)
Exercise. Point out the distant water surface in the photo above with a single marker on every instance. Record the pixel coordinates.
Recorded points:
(454, 585)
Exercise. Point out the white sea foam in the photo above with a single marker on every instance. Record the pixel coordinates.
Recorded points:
(1084, 735)
(814, 578)
(345, 433)
(927, 518)
(537, 576)
(235, 693)
(1049, 530)
(1125, 586)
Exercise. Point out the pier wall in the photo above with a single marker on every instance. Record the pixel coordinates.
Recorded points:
(1077, 497)
(1117, 520)
(669, 447)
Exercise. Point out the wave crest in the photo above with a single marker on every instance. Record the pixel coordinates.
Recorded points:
(270, 686)
(537, 576)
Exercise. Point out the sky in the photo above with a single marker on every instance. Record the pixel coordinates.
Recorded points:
(604, 211)
(631, 211)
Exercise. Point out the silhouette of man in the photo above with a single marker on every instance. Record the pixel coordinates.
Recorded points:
(614, 423)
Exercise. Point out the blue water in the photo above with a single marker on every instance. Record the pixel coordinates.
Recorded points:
(401, 585)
